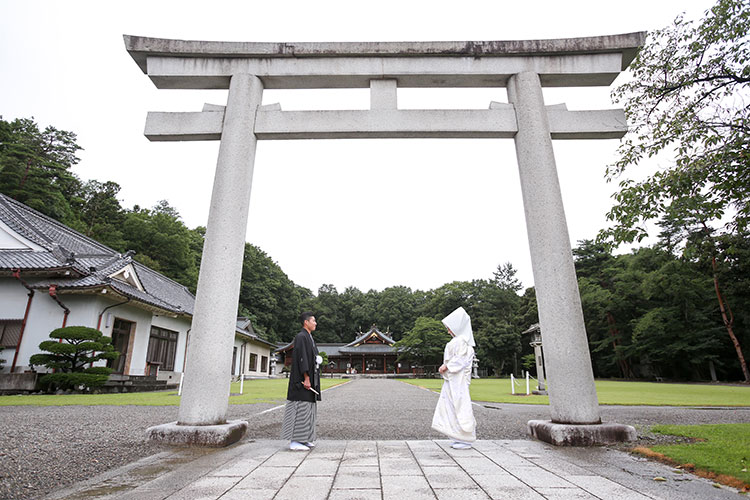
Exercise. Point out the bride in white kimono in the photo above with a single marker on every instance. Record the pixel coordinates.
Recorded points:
(454, 415)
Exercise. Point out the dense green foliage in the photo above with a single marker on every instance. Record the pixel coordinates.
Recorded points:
(649, 313)
(653, 313)
(498, 315)
(268, 297)
(75, 347)
(686, 104)
(423, 344)
(688, 98)
(35, 167)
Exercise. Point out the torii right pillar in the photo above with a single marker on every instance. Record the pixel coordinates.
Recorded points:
(574, 405)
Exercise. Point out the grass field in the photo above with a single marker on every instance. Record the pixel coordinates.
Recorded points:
(255, 391)
(723, 450)
(490, 390)
(612, 393)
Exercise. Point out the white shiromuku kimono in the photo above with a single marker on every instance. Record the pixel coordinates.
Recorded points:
(454, 415)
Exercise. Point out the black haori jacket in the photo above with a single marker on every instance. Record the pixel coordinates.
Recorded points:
(303, 361)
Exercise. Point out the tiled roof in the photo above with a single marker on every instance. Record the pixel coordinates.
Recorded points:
(244, 327)
(385, 338)
(89, 263)
(367, 349)
(330, 349)
(245, 324)
(357, 346)
(28, 259)
(45, 231)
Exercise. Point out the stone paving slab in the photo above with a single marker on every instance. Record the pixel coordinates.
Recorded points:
(414, 470)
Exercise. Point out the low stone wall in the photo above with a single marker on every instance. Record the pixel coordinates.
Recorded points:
(15, 383)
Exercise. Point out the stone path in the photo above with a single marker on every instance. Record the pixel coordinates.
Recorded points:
(38, 454)
(403, 470)
(375, 443)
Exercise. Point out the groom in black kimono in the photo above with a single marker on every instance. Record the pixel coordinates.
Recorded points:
(300, 412)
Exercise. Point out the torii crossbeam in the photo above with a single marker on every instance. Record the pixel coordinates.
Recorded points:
(523, 67)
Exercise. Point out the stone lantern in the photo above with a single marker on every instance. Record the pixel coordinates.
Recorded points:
(536, 343)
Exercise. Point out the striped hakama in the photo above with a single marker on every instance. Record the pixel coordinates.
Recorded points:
(299, 421)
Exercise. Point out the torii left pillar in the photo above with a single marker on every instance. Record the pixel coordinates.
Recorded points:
(205, 393)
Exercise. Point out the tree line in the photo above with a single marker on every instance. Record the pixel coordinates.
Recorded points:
(652, 312)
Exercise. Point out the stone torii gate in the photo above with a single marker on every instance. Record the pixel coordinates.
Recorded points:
(523, 67)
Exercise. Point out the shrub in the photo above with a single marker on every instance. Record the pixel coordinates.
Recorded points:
(75, 347)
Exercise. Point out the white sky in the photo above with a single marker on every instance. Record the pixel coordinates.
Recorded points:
(377, 213)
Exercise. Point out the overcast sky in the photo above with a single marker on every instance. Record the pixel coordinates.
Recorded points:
(365, 213)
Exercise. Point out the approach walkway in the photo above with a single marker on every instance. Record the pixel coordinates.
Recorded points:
(403, 470)
(375, 441)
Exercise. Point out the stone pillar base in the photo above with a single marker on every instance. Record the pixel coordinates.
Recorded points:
(582, 434)
(212, 436)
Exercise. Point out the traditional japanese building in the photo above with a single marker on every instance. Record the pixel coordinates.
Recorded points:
(52, 276)
(370, 353)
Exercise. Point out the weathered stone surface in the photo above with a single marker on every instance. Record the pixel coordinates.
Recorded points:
(572, 393)
(197, 475)
(186, 64)
(197, 126)
(139, 47)
(581, 435)
(205, 396)
(215, 436)
(11, 383)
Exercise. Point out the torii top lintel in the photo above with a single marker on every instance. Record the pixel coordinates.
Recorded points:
(587, 61)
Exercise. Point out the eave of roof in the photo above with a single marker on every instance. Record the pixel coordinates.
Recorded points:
(368, 349)
(254, 337)
(76, 263)
(372, 332)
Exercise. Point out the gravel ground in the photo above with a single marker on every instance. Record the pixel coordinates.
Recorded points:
(43, 448)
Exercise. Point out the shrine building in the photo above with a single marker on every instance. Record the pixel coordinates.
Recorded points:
(370, 353)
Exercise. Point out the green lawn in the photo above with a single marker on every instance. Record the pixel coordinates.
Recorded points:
(255, 391)
(490, 390)
(612, 393)
(726, 449)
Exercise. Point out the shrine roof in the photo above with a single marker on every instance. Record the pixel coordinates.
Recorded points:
(372, 333)
(383, 344)
(330, 349)
(367, 349)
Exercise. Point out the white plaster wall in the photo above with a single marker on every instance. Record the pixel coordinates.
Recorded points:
(13, 298)
(260, 350)
(45, 315)
(254, 348)
(238, 342)
(9, 239)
